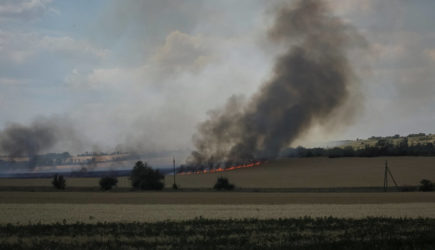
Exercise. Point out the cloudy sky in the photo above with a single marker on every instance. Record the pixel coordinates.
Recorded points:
(145, 73)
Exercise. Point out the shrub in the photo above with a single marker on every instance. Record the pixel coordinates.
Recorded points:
(145, 178)
(106, 183)
(426, 185)
(58, 182)
(223, 184)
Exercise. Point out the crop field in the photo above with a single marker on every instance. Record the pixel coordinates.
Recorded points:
(321, 172)
(287, 173)
(303, 233)
(260, 214)
(213, 198)
(93, 207)
(129, 213)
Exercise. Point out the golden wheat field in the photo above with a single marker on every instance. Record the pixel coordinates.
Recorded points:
(290, 173)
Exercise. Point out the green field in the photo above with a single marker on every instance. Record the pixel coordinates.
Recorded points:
(304, 233)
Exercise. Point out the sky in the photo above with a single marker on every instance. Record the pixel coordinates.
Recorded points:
(146, 73)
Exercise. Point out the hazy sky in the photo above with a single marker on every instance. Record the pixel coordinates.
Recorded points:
(147, 72)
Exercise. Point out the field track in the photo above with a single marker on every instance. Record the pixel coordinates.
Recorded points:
(228, 198)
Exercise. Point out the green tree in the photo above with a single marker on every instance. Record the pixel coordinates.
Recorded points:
(223, 184)
(58, 182)
(426, 185)
(145, 178)
(107, 182)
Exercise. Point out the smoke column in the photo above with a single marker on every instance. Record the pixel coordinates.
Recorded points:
(42, 134)
(310, 81)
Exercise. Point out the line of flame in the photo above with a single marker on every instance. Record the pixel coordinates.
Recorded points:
(218, 170)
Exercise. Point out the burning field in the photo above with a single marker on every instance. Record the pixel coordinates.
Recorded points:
(312, 82)
(276, 203)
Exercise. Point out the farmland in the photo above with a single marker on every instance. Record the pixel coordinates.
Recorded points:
(303, 233)
(129, 213)
(287, 173)
(265, 212)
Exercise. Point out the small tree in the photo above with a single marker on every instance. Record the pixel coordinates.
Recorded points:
(58, 182)
(107, 182)
(426, 185)
(145, 178)
(223, 184)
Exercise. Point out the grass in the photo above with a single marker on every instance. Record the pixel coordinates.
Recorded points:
(302, 233)
(287, 173)
(321, 173)
(153, 197)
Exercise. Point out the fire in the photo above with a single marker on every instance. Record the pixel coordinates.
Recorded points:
(220, 169)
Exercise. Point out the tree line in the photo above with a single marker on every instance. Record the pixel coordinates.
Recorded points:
(382, 148)
(142, 177)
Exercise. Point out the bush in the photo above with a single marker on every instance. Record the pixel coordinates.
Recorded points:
(106, 183)
(58, 182)
(426, 185)
(223, 184)
(145, 178)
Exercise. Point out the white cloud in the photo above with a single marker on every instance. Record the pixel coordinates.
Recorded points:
(347, 6)
(103, 78)
(16, 47)
(431, 54)
(20, 47)
(68, 44)
(182, 52)
(24, 9)
(10, 81)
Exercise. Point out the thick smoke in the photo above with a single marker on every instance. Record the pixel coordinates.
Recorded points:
(310, 81)
(41, 135)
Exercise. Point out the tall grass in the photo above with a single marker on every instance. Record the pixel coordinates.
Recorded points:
(302, 233)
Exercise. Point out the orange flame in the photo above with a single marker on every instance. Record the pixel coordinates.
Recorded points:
(218, 170)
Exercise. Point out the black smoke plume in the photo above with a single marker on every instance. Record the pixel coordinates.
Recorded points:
(43, 134)
(310, 81)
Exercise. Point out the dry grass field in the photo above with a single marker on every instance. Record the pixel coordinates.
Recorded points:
(321, 172)
(92, 207)
(213, 198)
(98, 213)
(289, 173)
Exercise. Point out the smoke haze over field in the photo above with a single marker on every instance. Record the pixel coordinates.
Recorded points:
(139, 76)
(310, 81)
(41, 136)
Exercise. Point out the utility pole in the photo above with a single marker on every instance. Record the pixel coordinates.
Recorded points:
(173, 163)
(386, 177)
(386, 173)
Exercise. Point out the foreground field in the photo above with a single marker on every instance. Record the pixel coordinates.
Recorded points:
(306, 233)
(122, 213)
(230, 198)
(287, 173)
